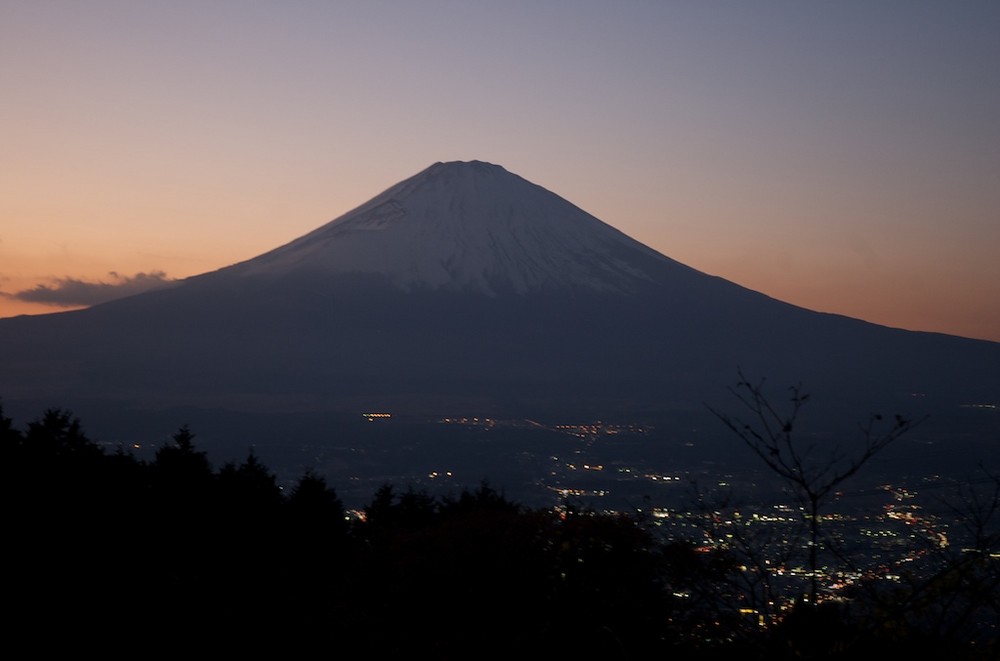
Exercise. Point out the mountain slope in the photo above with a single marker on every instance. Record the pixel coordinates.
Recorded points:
(470, 227)
(466, 289)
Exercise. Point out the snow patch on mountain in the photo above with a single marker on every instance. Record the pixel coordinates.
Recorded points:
(469, 226)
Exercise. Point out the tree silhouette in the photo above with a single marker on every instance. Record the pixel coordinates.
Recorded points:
(312, 499)
(811, 478)
(7, 432)
(12, 461)
(759, 551)
(948, 593)
(182, 475)
(108, 550)
(59, 434)
(249, 486)
(315, 535)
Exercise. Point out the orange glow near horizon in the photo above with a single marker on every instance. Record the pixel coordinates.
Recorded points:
(745, 142)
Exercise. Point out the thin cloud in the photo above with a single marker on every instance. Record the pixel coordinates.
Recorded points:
(70, 292)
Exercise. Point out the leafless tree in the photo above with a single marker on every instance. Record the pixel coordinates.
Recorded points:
(759, 551)
(811, 475)
(953, 593)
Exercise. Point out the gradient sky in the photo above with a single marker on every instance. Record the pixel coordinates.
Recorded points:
(843, 156)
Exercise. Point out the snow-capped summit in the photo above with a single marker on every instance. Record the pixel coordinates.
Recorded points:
(468, 226)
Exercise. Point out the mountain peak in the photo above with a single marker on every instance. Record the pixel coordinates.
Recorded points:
(468, 226)
(474, 165)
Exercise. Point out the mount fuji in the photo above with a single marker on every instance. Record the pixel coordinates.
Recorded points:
(466, 289)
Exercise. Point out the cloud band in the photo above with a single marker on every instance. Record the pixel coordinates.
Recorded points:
(69, 292)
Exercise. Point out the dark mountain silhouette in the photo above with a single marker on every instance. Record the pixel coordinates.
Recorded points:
(466, 289)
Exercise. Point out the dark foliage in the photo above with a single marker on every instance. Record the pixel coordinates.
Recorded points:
(106, 553)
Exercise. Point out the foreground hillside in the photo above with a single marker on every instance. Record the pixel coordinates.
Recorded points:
(110, 554)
